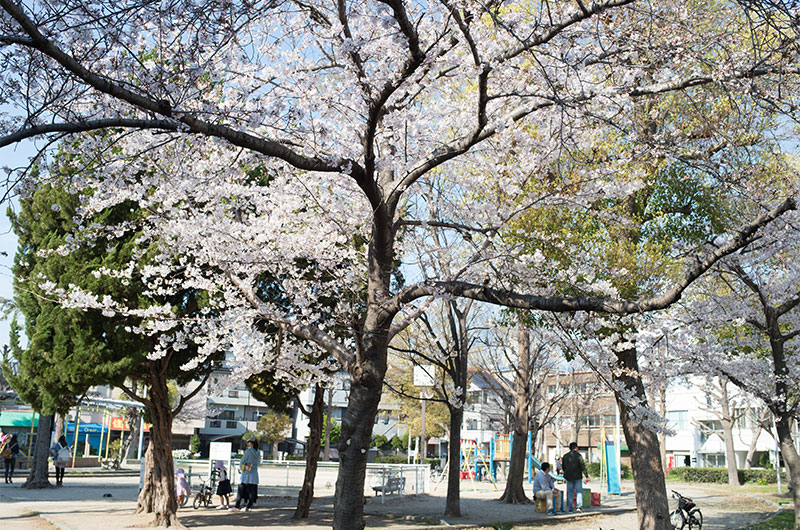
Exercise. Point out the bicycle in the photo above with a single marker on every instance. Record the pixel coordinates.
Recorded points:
(687, 512)
(204, 496)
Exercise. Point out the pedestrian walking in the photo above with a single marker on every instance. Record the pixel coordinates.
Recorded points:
(9, 448)
(223, 486)
(248, 482)
(60, 453)
(574, 469)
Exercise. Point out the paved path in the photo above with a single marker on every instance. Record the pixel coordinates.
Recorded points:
(81, 505)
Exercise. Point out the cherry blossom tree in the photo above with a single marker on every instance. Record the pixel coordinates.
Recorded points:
(262, 134)
(743, 326)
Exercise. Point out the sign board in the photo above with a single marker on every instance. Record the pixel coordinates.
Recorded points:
(423, 375)
(220, 451)
(121, 424)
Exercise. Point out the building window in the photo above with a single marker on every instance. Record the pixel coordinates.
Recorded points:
(255, 416)
(230, 425)
(233, 393)
(226, 415)
(678, 419)
(609, 419)
(215, 424)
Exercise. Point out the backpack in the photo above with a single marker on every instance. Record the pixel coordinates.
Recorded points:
(63, 455)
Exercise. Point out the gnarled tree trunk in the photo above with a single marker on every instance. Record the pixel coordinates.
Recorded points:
(648, 475)
(158, 494)
(726, 418)
(312, 454)
(37, 476)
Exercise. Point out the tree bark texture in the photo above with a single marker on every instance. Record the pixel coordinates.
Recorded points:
(452, 507)
(515, 492)
(312, 454)
(353, 447)
(144, 504)
(161, 486)
(37, 476)
(651, 493)
(59, 431)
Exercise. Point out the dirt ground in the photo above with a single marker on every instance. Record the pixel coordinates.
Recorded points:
(81, 505)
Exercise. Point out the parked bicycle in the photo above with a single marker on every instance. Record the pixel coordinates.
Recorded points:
(687, 513)
(204, 496)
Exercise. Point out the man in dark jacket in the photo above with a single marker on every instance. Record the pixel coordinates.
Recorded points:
(574, 470)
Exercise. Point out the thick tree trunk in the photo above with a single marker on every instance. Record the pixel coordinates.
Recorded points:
(791, 459)
(515, 492)
(648, 475)
(37, 477)
(161, 486)
(144, 503)
(312, 455)
(452, 507)
(353, 446)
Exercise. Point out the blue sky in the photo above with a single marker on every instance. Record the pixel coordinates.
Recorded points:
(12, 156)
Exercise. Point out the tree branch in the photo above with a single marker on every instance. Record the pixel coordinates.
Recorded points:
(303, 331)
(159, 107)
(185, 399)
(85, 126)
(558, 304)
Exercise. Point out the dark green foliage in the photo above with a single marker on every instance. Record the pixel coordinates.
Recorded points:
(70, 350)
(265, 388)
(593, 468)
(194, 443)
(763, 461)
(719, 475)
(400, 443)
(381, 442)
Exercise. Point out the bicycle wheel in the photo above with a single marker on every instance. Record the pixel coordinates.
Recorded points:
(696, 520)
(677, 519)
(198, 500)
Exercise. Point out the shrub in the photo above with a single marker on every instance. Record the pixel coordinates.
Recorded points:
(719, 475)
(391, 459)
(627, 472)
(381, 442)
(593, 468)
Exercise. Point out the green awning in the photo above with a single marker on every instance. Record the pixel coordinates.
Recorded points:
(18, 419)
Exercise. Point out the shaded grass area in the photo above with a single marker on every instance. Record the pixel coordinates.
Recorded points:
(784, 520)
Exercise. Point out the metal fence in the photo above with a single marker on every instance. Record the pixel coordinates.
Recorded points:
(283, 475)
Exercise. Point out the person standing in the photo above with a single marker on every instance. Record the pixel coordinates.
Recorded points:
(544, 487)
(10, 450)
(248, 482)
(60, 454)
(223, 485)
(574, 470)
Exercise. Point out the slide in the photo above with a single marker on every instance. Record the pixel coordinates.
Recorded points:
(538, 465)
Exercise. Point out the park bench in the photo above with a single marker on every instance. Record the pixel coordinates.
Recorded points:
(392, 485)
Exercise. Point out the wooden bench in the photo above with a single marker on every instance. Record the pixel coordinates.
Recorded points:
(393, 485)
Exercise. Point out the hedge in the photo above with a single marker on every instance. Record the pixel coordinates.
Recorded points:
(593, 468)
(720, 475)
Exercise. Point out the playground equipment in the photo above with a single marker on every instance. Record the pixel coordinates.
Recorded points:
(500, 448)
(609, 466)
(472, 463)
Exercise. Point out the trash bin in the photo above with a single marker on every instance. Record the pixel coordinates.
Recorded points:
(595, 499)
(587, 497)
(541, 505)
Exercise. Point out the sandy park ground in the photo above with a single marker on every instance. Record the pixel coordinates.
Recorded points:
(81, 505)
